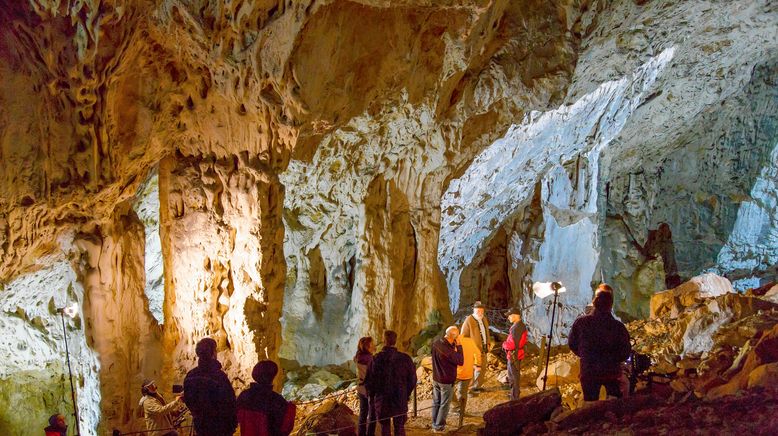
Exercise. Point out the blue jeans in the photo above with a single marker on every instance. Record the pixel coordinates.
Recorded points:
(441, 399)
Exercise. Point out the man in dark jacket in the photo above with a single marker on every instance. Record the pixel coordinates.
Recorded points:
(262, 412)
(446, 356)
(209, 395)
(391, 378)
(514, 349)
(602, 343)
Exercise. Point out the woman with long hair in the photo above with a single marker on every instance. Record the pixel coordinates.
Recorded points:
(367, 415)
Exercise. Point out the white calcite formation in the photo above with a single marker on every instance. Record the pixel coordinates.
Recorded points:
(147, 209)
(34, 373)
(502, 178)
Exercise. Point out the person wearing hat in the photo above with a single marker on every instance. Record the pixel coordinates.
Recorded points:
(156, 412)
(261, 411)
(514, 349)
(209, 395)
(476, 327)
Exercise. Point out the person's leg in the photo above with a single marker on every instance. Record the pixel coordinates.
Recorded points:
(462, 387)
(590, 388)
(436, 398)
(445, 402)
(479, 374)
(613, 388)
(371, 417)
(386, 426)
(514, 371)
(399, 425)
(363, 412)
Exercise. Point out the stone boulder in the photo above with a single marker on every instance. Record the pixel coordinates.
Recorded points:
(764, 352)
(511, 417)
(764, 376)
(706, 321)
(330, 418)
(598, 410)
(561, 372)
(674, 301)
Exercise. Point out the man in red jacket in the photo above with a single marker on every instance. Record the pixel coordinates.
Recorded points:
(262, 412)
(514, 349)
(57, 426)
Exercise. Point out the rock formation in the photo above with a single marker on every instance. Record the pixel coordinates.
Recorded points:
(287, 176)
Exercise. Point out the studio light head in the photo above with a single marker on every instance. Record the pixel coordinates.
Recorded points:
(71, 310)
(545, 289)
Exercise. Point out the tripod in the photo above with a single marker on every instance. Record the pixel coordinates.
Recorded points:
(555, 286)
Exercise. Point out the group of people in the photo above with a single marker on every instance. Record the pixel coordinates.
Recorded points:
(459, 365)
(210, 398)
(386, 379)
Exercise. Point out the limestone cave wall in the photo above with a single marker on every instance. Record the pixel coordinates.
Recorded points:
(287, 176)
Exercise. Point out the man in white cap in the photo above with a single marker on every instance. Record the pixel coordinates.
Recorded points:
(476, 327)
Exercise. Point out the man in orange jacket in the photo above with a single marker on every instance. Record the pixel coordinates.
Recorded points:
(514, 349)
(464, 375)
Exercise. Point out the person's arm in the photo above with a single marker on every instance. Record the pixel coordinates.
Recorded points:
(466, 327)
(572, 340)
(155, 408)
(458, 356)
(625, 347)
(412, 380)
(523, 340)
(287, 424)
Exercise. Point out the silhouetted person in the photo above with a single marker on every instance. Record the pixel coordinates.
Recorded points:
(261, 411)
(602, 343)
(447, 354)
(514, 350)
(209, 395)
(367, 415)
(57, 426)
(476, 327)
(157, 414)
(391, 378)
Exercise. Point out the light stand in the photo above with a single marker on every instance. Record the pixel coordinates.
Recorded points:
(71, 312)
(544, 290)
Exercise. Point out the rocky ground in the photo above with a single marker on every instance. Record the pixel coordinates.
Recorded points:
(714, 369)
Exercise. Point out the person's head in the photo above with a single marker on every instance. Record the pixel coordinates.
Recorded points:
(479, 310)
(603, 287)
(58, 421)
(390, 338)
(206, 349)
(514, 315)
(452, 333)
(148, 387)
(603, 301)
(264, 372)
(365, 345)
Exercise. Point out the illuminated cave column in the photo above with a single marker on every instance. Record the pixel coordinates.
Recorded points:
(119, 326)
(222, 242)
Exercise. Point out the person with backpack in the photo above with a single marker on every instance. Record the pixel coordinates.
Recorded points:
(261, 411)
(390, 379)
(209, 395)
